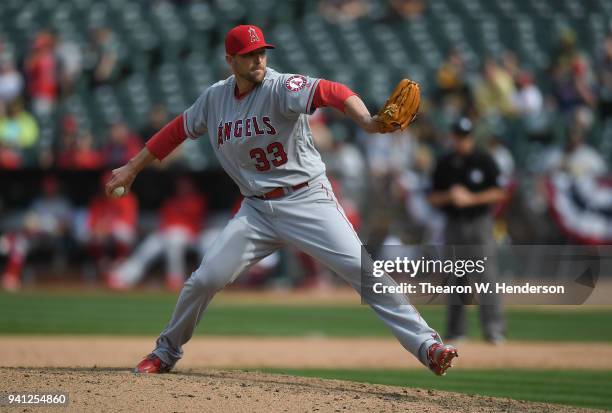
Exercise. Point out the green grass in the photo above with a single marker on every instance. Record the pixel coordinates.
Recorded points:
(577, 388)
(146, 314)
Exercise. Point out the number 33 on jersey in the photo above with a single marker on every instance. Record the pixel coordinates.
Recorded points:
(262, 139)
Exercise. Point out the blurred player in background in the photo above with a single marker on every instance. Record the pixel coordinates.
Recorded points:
(466, 183)
(46, 225)
(181, 219)
(111, 228)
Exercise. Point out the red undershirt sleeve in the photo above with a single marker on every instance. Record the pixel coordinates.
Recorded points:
(168, 138)
(331, 94)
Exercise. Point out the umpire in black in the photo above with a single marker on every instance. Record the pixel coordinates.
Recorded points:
(465, 185)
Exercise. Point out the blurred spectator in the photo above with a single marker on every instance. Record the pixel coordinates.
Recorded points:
(510, 63)
(70, 64)
(122, 144)
(347, 166)
(181, 219)
(321, 133)
(86, 156)
(567, 53)
(41, 75)
(342, 11)
(507, 180)
(408, 8)
(46, 224)
(528, 98)
(503, 158)
(494, 91)
(572, 76)
(425, 224)
(389, 154)
(11, 81)
(576, 158)
(451, 83)
(111, 227)
(18, 128)
(604, 76)
(104, 56)
(571, 87)
(343, 160)
(10, 158)
(157, 119)
(529, 102)
(80, 154)
(68, 130)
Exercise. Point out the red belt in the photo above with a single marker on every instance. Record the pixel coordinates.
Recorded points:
(281, 191)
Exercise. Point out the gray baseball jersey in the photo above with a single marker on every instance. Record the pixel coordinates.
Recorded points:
(263, 141)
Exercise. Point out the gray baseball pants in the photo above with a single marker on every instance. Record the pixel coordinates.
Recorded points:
(309, 219)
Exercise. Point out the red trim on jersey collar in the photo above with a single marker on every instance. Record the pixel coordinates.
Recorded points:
(240, 96)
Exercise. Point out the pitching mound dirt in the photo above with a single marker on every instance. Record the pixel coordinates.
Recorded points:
(118, 390)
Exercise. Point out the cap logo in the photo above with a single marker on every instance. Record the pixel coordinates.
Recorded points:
(253, 35)
(295, 83)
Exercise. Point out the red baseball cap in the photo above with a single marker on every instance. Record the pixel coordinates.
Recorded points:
(244, 39)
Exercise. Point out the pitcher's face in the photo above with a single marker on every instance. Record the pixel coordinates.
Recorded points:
(250, 66)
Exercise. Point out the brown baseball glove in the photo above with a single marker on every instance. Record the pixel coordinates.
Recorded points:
(401, 108)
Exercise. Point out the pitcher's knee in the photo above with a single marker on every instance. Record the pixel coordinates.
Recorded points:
(207, 279)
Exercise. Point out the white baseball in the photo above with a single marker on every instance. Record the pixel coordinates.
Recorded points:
(119, 191)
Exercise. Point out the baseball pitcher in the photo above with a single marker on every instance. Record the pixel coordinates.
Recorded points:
(257, 124)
